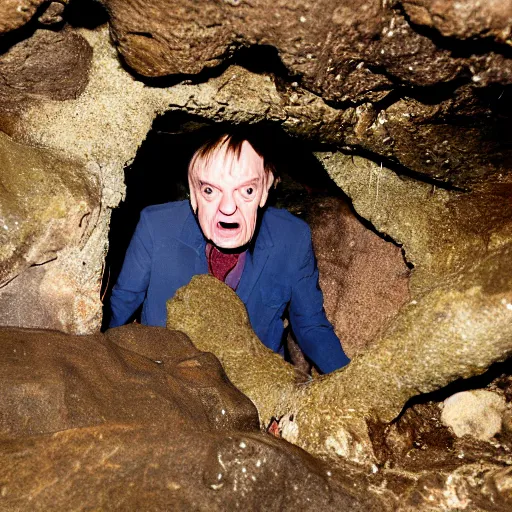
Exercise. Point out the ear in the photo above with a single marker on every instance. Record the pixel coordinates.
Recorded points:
(269, 179)
(193, 198)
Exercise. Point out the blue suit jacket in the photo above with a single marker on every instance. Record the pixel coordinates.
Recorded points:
(168, 248)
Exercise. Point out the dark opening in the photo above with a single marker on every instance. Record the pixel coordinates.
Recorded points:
(159, 174)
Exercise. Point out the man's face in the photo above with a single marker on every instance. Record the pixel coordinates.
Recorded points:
(226, 193)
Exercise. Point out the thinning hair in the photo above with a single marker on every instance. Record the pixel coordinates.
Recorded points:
(232, 139)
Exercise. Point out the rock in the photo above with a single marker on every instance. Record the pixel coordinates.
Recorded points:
(15, 13)
(48, 206)
(280, 377)
(477, 413)
(50, 65)
(368, 54)
(53, 14)
(147, 423)
(463, 19)
(429, 345)
(364, 278)
(47, 66)
(106, 123)
(405, 209)
(362, 50)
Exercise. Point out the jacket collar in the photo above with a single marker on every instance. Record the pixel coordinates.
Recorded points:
(191, 233)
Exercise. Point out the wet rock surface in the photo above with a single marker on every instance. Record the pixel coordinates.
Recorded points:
(138, 418)
(323, 42)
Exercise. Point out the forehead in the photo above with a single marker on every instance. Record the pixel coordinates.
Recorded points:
(225, 165)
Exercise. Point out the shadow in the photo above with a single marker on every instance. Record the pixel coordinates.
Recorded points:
(494, 372)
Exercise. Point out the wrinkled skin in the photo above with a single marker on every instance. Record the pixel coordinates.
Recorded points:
(226, 191)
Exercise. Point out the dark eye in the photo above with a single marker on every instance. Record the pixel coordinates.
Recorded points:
(207, 190)
(249, 191)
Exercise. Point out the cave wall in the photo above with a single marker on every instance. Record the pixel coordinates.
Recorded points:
(398, 82)
(409, 105)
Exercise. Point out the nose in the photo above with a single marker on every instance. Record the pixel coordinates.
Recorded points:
(227, 205)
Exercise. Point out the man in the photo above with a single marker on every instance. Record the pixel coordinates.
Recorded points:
(266, 256)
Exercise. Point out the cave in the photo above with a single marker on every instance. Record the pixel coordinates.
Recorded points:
(368, 266)
(392, 120)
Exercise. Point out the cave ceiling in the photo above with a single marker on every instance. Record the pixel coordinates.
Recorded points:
(422, 83)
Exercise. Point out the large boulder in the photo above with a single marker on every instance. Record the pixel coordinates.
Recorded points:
(47, 66)
(140, 419)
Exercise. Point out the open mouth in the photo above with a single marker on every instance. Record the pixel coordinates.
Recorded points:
(229, 225)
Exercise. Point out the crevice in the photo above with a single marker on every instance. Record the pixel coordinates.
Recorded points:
(459, 48)
(494, 372)
(403, 171)
(86, 13)
(259, 59)
(43, 262)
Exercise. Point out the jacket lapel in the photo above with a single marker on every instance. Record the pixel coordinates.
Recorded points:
(192, 236)
(255, 262)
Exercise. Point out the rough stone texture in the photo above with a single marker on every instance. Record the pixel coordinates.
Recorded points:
(52, 65)
(49, 207)
(463, 19)
(280, 378)
(45, 205)
(341, 415)
(443, 233)
(418, 435)
(148, 423)
(53, 14)
(48, 65)
(105, 125)
(435, 140)
(430, 344)
(364, 278)
(433, 106)
(141, 426)
(15, 13)
(477, 413)
(322, 42)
